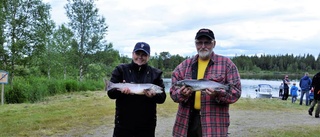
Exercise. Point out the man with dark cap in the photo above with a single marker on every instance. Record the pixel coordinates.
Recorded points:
(204, 113)
(135, 115)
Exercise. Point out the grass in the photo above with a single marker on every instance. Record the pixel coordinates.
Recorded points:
(57, 115)
(266, 105)
(279, 107)
(60, 114)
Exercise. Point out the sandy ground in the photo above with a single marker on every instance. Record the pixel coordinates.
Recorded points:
(244, 123)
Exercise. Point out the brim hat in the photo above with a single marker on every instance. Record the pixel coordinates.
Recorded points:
(143, 47)
(205, 32)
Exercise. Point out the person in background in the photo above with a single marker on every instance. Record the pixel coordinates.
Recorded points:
(311, 96)
(135, 115)
(294, 92)
(305, 85)
(286, 83)
(315, 88)
(204, 113)
(281, 90)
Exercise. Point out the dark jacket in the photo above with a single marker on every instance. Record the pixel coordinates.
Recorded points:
(136, 111)
(285, 86)
(316, 86)
(305, 83)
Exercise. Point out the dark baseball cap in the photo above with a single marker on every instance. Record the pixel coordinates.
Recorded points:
(142, 46)
(205, 32)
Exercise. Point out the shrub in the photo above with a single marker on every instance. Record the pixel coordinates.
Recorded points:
(71, 85)
(33, 89)
(15, 95)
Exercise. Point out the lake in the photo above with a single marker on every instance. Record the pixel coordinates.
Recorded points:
(249, 86)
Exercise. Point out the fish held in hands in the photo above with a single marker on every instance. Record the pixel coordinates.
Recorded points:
(134, 88)
(201, 84)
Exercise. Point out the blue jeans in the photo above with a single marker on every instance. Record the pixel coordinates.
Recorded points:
(294, 98)
(307, 97)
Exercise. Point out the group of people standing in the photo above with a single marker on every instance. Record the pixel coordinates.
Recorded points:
(304, 84)
(308, 87)
(200, 113)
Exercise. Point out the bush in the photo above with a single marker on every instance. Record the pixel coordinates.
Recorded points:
(33, 89)
(15, 95)
(91, 85)
(71, 85)
(56, 87)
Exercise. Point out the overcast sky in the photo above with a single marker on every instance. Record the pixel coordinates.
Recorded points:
(241, 27)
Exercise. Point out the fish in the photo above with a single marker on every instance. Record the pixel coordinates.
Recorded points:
(134, 88)
(201, 84)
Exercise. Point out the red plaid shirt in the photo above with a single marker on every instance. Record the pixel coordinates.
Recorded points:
(214, 110)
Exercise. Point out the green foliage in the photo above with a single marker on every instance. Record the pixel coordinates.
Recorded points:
(71, 85)
(166, 62)
(55, 87)
(15, 94)
(91, 85)
(279, 63)
(25, 33)
(89, 31)
(270, 75)
(34, 89)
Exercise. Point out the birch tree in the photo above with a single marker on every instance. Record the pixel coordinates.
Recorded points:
(89, 30)
(27, 23)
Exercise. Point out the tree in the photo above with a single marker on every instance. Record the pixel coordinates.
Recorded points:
(43, 34)
(3, 57)
(89, 30)
(165, 57)
(27, 23)
(317, 63)
(62, 40)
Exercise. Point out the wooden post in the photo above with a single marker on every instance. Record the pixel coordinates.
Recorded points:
(2, 94)
(3, 80)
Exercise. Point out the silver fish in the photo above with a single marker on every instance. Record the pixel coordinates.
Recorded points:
(201, 84)
(134, 88)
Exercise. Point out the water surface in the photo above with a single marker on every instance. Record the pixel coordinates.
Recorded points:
(249, 86)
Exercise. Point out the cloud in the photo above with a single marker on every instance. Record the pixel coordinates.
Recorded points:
(245, 27)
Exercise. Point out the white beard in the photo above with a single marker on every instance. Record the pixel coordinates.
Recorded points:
(204, 53)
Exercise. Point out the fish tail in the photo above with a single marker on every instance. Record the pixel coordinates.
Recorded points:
(105, 84)
(156, 88)
(108, 85)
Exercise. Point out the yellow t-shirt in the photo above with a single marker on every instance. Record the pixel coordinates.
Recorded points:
(202, 65)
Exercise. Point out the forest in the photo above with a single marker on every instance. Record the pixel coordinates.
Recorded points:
(45, 59)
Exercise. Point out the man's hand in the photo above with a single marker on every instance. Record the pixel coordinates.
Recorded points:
(213, 92)
(149, 93)
(125, 91)
(185, 91)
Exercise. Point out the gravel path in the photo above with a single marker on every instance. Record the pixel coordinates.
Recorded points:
(244, 123)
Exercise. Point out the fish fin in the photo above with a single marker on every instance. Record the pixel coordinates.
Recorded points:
(187, 86)
(203, 79)
(228, 87)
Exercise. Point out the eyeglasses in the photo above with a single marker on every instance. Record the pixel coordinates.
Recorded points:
(206, 43)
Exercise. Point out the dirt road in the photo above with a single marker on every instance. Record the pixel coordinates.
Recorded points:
(244, 123)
